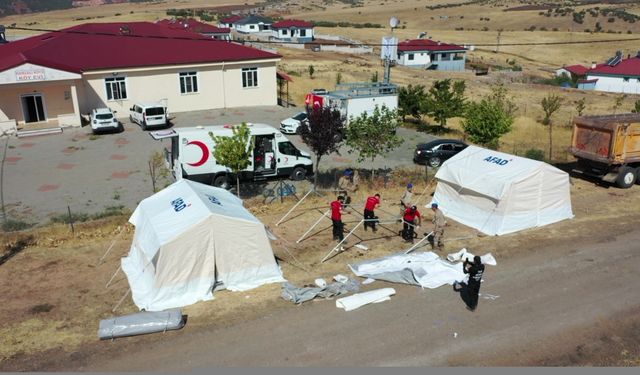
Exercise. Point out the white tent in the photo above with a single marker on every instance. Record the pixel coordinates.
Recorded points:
(190, 235)
(498, 193)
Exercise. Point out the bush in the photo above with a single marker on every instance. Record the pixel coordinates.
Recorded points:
(535, 154)
(11, 225)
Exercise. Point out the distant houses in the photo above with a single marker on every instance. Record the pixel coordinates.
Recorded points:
(190, 24)
(293, 30)
(618, 74)
(230, 22)
(55, 77)
(253, 24)
(429, 54)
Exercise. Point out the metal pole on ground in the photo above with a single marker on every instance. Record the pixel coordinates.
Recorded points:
(110, 247)
(341, 242)
(418, 243)
(324, 214)
(294, 207)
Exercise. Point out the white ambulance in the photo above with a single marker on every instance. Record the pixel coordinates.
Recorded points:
(274, 156)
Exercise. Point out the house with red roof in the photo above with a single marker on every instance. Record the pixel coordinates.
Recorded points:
(190, 24)
(617, 74)
(430, 54)
(293, 30)
(57, 76)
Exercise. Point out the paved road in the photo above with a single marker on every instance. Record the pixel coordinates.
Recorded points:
(550, 291)
(44, 174)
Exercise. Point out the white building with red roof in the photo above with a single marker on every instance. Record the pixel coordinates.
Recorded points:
(617, 75)
(57, 76)
(229, 22)
(195, 26)
(293, 30)
(429, 54)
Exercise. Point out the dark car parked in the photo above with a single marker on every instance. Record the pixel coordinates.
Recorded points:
(434, 153)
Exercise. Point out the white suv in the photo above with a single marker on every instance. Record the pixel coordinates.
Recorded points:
(149, 115)
(104, 119)
(291, 124)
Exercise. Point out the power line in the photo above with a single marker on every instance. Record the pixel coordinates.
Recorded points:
(498, 44)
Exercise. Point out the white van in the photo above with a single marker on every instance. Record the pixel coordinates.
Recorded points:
(190, 155)
(149, 115)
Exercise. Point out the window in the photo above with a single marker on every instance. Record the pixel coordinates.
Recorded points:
(447, 147)
(250, 77)
(287, 148)
(188, 82)
(303, 32)
(458, 147)
(410, 56)
(116, 88)
(444, 57)
(284, 32)
(625, 79)
(252, 27)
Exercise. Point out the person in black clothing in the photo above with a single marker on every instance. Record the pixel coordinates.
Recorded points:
(471, 290)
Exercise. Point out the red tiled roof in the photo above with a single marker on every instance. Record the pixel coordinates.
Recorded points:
(193, 25)
(284, 76)
(285, 24)
(627, 67)
(231, 19)
(576, 69)
(97, 46)
(427, 45)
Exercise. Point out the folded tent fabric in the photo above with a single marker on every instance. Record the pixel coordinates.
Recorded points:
(140, 324)
(360, 299)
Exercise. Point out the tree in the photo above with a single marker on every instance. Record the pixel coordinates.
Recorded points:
(410, 101)
(373, 135)
(157, 169)
(580, 106)
(374, 76)
(338, 78)
(499, 95)
(311, 71)
(234, 152)
(618, 102)
(490, 118)
(323, 134)
(550, 104)
(636, 107)
(445, 101)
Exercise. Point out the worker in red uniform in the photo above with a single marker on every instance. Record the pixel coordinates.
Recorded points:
(411, 220)
(369, 216)
(337, 209)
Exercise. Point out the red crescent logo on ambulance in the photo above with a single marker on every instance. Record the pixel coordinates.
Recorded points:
(205, 153)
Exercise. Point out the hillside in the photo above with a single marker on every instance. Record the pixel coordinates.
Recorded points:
(9, 7)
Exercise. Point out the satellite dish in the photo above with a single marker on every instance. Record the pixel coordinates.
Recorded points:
(394, 22)
(422, 35)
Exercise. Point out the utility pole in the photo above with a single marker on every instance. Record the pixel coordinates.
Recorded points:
(498, 41)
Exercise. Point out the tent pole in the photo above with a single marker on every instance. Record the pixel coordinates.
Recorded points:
(340, 243)
(110, 247)
(294, 207)
(324, 214)
(418, 243)
(121, 300)
(113, 277)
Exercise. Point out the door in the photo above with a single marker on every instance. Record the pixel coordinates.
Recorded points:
(33, 108)
(287, 158)
(264, 161)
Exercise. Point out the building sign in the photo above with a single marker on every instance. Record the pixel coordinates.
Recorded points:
(30, 75)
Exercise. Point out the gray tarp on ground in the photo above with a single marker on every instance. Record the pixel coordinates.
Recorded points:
(140, 323)
(297, 295)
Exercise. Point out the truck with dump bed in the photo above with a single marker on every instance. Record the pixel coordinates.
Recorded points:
(608, 147)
